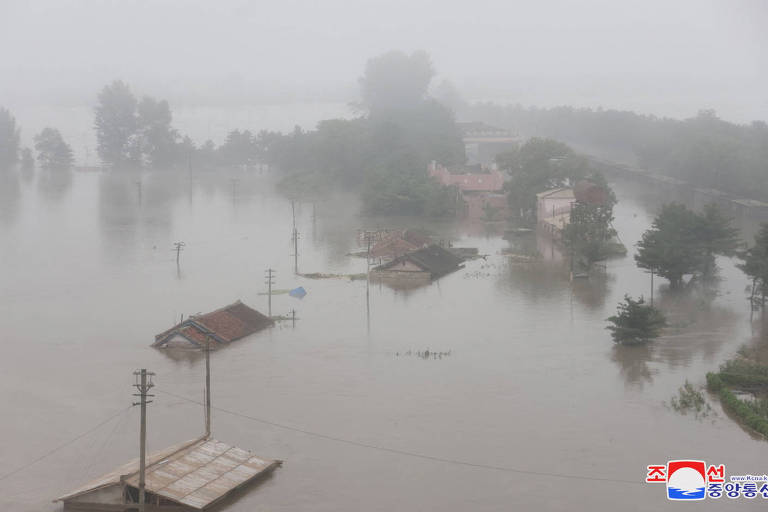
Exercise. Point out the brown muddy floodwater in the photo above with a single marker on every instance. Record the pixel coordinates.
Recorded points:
(532, 382)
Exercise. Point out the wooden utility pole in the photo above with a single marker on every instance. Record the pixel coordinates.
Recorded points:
(207, 387)
(269, 282)
(179, 246)
(143, 386)
(295, 238)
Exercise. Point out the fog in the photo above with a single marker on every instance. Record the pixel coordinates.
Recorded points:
(657, 57)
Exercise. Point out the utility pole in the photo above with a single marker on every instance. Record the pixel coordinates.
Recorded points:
(651, 287)
(207, 386)
(179, 246)
(295, 238)
(143, 386)
(138, 190)
(269, 282)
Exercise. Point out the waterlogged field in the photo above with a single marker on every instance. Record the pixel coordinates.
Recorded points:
(530, 406)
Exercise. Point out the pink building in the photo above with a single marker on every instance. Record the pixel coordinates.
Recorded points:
(482, 193)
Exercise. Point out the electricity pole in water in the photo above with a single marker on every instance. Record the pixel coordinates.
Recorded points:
(295, 238)
(179, 246)
(143, 386)
(207, 386)
(269, 282)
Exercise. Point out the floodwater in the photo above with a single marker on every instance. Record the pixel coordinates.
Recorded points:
(530, 390)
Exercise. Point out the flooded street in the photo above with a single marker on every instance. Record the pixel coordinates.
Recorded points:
(529, 407)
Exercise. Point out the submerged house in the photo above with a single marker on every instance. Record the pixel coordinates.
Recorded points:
(397, 243)
(195, 475)
(222, 326)
(481, 193)
(553, 209)
(420, 266)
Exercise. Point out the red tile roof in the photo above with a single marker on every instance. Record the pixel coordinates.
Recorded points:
(224, 325)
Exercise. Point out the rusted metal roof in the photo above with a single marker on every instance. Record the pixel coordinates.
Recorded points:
(195, 474)
(223, 325)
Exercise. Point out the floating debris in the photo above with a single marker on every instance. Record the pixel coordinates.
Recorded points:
(299, 292)
(690, 399)
(320, 275)
(424, 354)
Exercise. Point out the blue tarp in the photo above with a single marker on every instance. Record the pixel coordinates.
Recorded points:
(299, 292)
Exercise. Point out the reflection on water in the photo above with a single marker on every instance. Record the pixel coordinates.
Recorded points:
(54, 184)
(10, 190)
(533, 376)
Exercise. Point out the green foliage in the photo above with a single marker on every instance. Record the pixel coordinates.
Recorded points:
(137, 134)
(387, 152)
(52, 152)
(716, 236)
(539, 165)
(589, 231)
(635, 322)
(681, 242)
(9, 139)
(115, 122)
(744, 411)
(755, 265)
(690, 399)
(157, 139)
(409, 193)
(704, 150)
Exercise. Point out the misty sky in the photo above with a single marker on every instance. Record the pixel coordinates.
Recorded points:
(661, 57)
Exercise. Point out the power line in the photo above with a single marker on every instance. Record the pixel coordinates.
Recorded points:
(64, 445)
(408, 453)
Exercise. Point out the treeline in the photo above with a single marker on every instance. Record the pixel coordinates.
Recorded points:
(703, 150)
(385, 153)
(53, 153)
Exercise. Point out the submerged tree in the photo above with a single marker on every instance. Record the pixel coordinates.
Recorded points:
(635, 322)
(681, 242)
(9, 139)
(716, 237)
(670, 248)
(115, 124)
(590, 229)
(158, 140)
(52, 152)
(755, 265)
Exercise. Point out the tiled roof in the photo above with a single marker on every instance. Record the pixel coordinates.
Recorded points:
(223, 325)
(433, 259)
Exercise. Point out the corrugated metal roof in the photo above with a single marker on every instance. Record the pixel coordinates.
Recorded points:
(196, 474)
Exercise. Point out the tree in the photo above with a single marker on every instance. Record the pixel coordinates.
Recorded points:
(158, 140)
(755, 265)
(635, 322)
(52, 152)
(716, 236)
(589, 229)
(671, 247)
(395, 81)
(9, 139)
(539, 165)
(116, 123)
